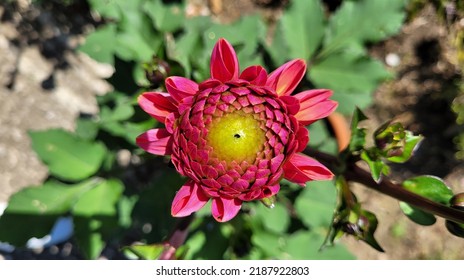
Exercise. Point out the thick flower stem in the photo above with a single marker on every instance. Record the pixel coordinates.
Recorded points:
(354, 173)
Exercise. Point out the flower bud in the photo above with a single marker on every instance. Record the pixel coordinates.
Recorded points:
(457, 201)
(269, 202)
(156, 71)
(390, 138)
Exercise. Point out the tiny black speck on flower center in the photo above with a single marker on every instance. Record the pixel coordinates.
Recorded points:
(236, 135)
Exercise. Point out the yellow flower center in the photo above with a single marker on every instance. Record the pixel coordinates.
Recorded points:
(235, 137)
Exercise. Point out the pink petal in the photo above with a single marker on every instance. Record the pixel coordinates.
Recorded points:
(188, 199)
(180, 87)
(224, 209)
(156, 141)
(158, 104)
(302, 136)
(301, 169)
(256, 75)
(314, 105)
(293, 105)
(270, 190)
(224, 63)
(285, 78)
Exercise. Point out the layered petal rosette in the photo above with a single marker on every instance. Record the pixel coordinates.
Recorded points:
(235, 135)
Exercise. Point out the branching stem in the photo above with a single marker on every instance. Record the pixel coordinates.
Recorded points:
(354, 173)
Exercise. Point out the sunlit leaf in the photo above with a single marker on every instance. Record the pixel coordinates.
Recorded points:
(358, 135)
(67, 156)
(275, 219)
(101, 200)
(353, 78)
(100, 44)
(166, 17)
(417, 215)
(376, 165)
(315, 204)
(363, 21)
(303, 27)
(304, 245)
(33, 211)
(148, 251)
(412, 142)
(430, 187)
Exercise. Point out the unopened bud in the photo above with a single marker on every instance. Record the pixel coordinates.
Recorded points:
(156, 71)
(390, 138)
(457, 201)
(269, 202)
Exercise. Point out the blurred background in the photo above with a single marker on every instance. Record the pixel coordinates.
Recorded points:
(58, 61)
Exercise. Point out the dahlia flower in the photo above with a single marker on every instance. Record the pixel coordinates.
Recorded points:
(235, 135)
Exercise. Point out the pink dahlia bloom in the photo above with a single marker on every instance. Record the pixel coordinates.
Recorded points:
(235, 135)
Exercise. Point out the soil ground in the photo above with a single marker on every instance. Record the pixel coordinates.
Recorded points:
(44, 83)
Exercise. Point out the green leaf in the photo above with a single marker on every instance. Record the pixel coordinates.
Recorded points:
(350, 76)
(95, 217)
(276, 219)
(166, 18)
(86, 128)
(147, 252)
(123, 110)
(157, 214)
(33, 211)
(131, 45)
(51, 198)
(106, 8)
(358, 135)
(412, 141)
(88, 233)
(303, 27)
(363, 21)
(376, 165)
(100, 44)
(417, 215)
(99, 201)
(304, 245)
(277, 48)
(430, 187)
(182, 49)
(67, 156)
(244, 35)
(267, 242)
(315, 204)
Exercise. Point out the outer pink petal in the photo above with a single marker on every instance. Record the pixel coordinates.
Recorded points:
(293, 105)
(224, 62)
(302, 136)
(188, 199)
(301, 169)
(256, 75)
(156, 141)
(314, 105)
(285, 78)
(180, 87)
(158, 104)
(224, 209)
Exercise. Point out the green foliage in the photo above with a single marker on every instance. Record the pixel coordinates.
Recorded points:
(334, 45)
(430, 187)
(67, 157)
(304, 31)
(315, 204)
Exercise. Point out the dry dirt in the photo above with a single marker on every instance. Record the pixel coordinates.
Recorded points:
(28, 102)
